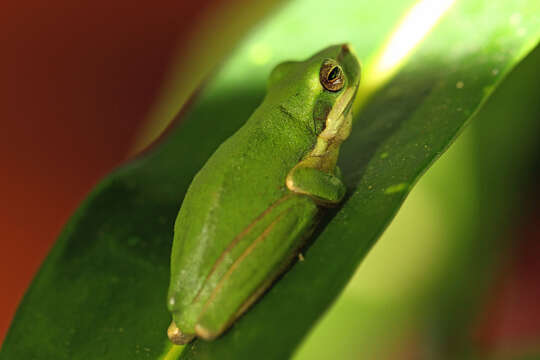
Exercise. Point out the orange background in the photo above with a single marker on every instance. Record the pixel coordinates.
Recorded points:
(78, 79)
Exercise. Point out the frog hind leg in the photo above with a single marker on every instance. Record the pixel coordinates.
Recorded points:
(268, 256)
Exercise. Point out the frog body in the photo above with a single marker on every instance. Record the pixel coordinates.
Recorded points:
(251, 207)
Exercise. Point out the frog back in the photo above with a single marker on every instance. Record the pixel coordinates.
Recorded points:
(240, 188)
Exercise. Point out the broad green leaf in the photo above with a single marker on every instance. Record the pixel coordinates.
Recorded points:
(430, 276)
(101, 292)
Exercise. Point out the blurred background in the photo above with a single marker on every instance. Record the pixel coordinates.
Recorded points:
(78, 81)
(457, 269)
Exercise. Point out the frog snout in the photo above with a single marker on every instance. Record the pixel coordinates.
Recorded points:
(345, 48)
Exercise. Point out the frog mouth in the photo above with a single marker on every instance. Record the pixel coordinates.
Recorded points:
(339, 114)
(350, 100)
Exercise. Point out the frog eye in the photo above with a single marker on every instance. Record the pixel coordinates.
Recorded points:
(331, 76)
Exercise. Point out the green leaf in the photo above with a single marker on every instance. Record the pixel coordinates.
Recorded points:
(450, 235)
(101, 292)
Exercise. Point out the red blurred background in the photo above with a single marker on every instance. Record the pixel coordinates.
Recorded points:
(78, 79)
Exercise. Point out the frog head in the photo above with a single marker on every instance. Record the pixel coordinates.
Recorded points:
(318, 90)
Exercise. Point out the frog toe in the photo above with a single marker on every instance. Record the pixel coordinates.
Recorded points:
(177, 337)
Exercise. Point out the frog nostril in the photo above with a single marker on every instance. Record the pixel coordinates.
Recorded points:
(345, 48)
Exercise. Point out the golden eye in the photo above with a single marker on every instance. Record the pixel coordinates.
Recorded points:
(331, 76)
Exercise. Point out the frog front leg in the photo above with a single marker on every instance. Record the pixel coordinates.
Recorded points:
(325, 187)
